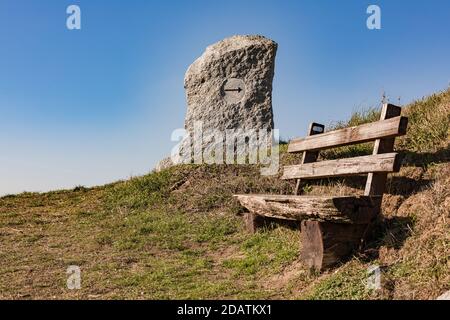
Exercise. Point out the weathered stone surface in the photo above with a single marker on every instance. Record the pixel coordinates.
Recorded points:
(228, 87)
(241, 63)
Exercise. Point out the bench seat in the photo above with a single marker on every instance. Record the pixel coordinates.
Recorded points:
(338, 209)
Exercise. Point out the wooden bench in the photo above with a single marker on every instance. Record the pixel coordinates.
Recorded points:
(332, 227)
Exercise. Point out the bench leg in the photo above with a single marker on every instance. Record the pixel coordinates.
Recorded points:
(253, 222)
(325, 244)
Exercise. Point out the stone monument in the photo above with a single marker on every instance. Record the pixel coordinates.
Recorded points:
(230, 87)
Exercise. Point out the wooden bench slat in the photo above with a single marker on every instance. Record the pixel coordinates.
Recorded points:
(340, 209)
(367, 132)
(387, 162)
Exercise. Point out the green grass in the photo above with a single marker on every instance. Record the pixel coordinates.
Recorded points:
(186, 265)
(265, 251)
(177, 234)
(430, 120)
(348, 284)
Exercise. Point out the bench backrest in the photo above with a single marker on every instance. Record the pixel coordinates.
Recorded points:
(382, 161)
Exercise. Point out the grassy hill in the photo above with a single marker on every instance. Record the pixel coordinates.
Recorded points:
(178, 233)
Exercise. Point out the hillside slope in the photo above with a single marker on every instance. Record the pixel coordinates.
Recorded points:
(178, 233)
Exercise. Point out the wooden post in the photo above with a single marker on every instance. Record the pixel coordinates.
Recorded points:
(376, 182)
(322, 242)
(310, 156)
(325, 244)
(253, 222)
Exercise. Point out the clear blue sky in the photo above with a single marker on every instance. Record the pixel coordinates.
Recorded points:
(91, 106)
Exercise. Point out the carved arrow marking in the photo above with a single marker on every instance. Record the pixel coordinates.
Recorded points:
(238, 90)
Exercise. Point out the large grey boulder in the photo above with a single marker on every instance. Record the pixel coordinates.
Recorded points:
(228, 87)
(242, 63)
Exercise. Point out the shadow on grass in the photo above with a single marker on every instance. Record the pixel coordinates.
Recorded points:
(404, 186)
(424, 159)
(387, 232)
